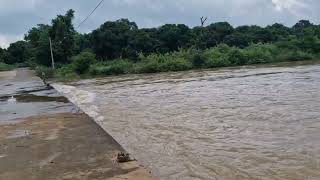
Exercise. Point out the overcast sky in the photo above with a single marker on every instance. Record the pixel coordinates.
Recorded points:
(17, 16)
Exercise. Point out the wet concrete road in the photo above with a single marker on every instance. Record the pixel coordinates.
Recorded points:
(43, 136)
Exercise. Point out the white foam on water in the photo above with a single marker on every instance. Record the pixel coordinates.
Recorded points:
(83, 99)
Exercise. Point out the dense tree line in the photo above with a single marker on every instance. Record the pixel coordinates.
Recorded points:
(122, 39)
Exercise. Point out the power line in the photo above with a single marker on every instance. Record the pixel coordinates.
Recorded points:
(90, 13)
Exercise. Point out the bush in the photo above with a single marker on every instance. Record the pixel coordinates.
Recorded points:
(185, 53)
(261, 53)
(292, 55)
(112, 68)
(198, 60)
(66, 73)
(220, 61)
(44, 72)
(148, 66)
(81, 63)
(217, 57)
(163, 63)
(178, 64)
(237, 57)
(224, 55)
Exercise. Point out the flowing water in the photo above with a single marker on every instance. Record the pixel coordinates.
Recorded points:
(240, 123)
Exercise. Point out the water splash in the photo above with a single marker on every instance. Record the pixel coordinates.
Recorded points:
(83, 99)
(12, 100)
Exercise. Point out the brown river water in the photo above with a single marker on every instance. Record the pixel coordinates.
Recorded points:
(240, 123)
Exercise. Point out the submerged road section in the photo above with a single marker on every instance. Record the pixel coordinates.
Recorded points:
(44, 136)
(259, 123)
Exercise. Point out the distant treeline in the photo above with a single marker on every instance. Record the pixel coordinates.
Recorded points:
(118, 47)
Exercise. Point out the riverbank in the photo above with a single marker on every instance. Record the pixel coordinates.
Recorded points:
(85, 65)
(44, 136)
(74, 77)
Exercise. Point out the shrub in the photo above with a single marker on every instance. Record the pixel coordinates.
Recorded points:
(178, 64)
(163, 63)
(261, 53)
(66, 73)
(221, 61)
(237, 57)
(44, 72)
(114, 67)
(294, 55)
(148, 67)
(198, 60)
(224, 55)
(217, 57)
(81, 63)
(185, 53)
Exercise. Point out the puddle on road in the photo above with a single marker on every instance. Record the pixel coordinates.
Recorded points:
(33, 98)
(25, 95)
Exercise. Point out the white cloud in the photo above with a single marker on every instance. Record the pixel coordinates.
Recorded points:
(6, 39)
(296, 7)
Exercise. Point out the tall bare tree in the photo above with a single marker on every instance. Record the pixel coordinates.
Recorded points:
(203, 20)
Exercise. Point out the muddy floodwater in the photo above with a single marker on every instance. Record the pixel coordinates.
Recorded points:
(239, 123)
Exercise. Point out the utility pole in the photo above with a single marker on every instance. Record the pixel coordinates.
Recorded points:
(52, 59)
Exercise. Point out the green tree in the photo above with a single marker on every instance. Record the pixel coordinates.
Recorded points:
(2, 54)
(279, 31)
(81, 42)
(220, 30)
(237, 39)
(62, 34)
(38, 45)
(140, 41)
(17, 53)
(33, 35)
(173, 36)
(42, 50)
(301, 25)
(111, 39)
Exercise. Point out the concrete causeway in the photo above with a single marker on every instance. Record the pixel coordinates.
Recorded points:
(44, 136)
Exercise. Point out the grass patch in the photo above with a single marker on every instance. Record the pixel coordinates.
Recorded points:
(6, 67)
